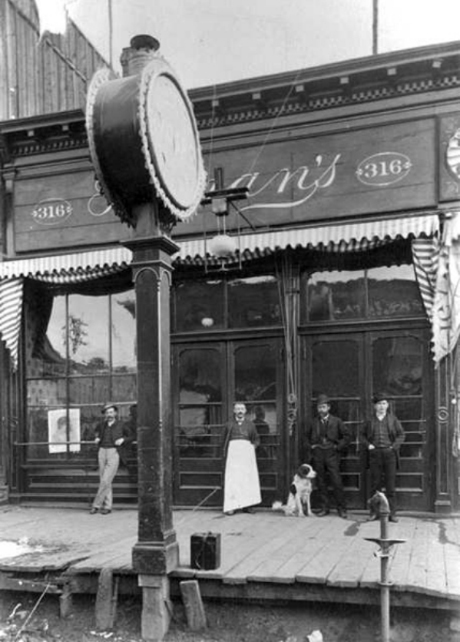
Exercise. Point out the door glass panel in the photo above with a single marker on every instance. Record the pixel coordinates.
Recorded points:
(397, 366)
(200, 403)
(253, 302)
(393, 292)
(255, 373)
(398, 370)
(255, 384)
(332, 296)
(335, 368)
(198, 305)
(87, 334)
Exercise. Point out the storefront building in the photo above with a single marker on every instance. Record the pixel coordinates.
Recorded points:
(334, 284)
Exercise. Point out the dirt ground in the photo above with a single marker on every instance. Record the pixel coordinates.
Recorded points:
(23, 618)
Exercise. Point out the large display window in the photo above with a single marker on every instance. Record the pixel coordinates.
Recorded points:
(80, 352)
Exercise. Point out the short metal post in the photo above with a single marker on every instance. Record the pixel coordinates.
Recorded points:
(384, 583)
(381, 506)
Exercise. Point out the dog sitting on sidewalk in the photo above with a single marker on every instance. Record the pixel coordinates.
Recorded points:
(298, 503)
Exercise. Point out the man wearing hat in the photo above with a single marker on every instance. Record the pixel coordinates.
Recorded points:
(382, 436)
(108, 437)
(326, 438)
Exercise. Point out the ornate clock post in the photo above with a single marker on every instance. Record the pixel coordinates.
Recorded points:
(145, 149)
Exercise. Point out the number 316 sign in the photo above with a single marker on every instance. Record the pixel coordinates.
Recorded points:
(53, 211)
(383, 169)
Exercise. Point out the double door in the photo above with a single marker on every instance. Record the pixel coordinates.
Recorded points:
(350, 368)
(209, 377)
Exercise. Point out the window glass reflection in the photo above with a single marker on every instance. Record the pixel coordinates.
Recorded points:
(332, 296)
(87, 333)
(46, 350)
(255, 373)
(198, 305)
(200, 395)
(123, 332)
(397, 365)
(335, 369)
(393, 292)
(253, 302)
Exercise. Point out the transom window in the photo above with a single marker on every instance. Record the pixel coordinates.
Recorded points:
(217, 304)
(377, 293)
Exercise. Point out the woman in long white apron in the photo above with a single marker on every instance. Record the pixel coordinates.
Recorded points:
(241, 482)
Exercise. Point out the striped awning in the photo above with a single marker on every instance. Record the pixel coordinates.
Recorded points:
(79, 267)
(69, 268)
(338, 237)
(11, 295)
(60, 269)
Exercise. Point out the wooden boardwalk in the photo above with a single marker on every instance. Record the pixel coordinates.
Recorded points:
(263, 556)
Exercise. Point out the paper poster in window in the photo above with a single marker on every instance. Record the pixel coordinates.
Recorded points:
(64, 430)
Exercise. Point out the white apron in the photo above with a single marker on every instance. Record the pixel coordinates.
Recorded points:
(242, 487)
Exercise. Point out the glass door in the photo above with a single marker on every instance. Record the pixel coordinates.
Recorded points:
(335, 366)
(256, 371)
(350, 368)
(401, 366)
(209, 378)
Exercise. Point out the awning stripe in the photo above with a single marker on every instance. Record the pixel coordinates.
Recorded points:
(356, 236)
(425, 255)
(69, 268)
(11, 295)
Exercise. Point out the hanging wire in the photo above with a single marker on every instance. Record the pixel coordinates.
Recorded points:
(274, 122)
(211, 150)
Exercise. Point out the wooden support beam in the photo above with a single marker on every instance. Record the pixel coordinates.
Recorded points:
(156, 607)
(66, 601)
(193, 604)
(106, 600)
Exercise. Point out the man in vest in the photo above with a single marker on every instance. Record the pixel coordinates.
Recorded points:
(327, 438)
(109, 436)
(382, 436)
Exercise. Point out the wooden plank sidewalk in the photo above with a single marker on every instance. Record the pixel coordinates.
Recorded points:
(265, 549)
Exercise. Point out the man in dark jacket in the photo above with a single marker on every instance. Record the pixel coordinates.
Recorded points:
(327, 437)
(382, 436)
(108, 437)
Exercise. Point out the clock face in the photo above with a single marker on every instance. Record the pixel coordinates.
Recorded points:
(173, 140)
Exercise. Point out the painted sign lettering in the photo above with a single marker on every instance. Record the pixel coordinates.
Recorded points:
(383, 169)
(52, 211)
(304, 181)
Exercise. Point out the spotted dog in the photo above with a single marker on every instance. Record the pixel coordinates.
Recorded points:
(298, 503)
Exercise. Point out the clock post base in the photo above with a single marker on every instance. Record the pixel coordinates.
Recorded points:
(156, 607)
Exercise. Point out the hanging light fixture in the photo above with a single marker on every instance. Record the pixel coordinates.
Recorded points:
(222, 244)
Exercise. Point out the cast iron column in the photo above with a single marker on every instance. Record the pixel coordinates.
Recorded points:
(156, 553)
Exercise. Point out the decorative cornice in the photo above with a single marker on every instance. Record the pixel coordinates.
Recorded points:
(304, 98)
(427, 70)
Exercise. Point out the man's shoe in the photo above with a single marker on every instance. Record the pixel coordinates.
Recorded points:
(105, 511)
(372, 518)
(93, 511)
(393, 519)
(342, 513)
(248, 509)
(324, 512)
(229, 512)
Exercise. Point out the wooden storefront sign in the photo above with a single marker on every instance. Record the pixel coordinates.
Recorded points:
(292, 180)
